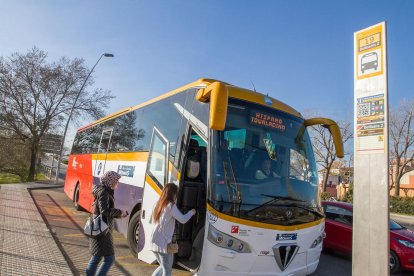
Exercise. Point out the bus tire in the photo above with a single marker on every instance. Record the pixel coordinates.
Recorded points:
(76, 199)
(133, 232)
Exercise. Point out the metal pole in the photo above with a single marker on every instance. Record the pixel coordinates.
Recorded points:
(70, 115)
(52, 165)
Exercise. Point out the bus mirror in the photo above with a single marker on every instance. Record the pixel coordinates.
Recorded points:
(217, 94)
(333, 129)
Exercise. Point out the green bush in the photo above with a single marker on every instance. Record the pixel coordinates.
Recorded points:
(402, 205)
(349, 195)
(325, 195)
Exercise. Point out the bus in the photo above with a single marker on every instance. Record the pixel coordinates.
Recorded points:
(211, 139)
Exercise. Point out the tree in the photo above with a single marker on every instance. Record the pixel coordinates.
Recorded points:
(36, 96)
(324, 148)
(13, 156)
(401, 142)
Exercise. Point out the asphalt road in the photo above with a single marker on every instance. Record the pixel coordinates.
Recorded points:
(67, 227)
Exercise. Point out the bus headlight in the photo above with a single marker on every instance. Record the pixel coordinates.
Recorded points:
(226, 241)
(318, 240)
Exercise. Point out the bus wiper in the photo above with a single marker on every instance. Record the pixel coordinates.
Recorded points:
(274, 199)
(295, 205)
(283, 198)
(309, 209)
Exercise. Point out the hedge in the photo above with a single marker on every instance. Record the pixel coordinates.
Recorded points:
(402, 205)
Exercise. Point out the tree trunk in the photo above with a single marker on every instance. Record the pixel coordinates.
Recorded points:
(325, 181)
(33, 158)
(397, 182)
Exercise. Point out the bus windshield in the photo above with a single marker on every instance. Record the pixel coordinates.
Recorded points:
(263, 167)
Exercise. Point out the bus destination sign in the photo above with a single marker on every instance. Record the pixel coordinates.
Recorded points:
(267, 120)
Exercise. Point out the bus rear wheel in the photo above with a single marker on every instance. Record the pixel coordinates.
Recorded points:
(133, 232)
(76, 199)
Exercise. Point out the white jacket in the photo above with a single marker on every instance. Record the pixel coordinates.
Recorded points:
(163, 231)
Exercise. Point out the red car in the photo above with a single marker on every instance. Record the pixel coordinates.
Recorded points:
(338, 228)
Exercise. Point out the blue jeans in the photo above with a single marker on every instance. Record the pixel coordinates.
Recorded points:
(108, 261)
(166, 261)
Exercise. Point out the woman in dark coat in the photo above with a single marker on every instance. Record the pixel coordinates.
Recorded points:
(103, 246)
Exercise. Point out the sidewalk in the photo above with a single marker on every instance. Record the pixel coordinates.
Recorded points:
(26, 244)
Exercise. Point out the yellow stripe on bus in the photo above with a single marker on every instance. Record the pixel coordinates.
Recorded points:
(122, 156)
(261, 224)
(152, 184)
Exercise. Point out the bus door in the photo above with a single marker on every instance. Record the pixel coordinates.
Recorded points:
(156, 176)
(192, 195)
(102, 152)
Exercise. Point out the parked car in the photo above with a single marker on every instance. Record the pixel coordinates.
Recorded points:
(338, 229)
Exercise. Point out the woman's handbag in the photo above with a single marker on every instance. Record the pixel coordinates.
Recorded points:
(95, 227)
(172, 248)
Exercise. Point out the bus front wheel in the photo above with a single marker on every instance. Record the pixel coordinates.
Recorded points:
(133, 232)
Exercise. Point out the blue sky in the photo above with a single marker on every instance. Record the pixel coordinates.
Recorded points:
(300, 52)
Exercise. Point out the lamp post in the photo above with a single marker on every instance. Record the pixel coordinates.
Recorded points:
(71, 111)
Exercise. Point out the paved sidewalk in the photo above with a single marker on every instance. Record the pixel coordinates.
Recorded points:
(26, 245)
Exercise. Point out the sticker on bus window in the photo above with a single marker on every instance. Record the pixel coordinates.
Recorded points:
(266, 120)
(270, 146)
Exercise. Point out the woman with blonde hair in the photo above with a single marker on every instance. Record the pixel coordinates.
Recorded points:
(164, 216)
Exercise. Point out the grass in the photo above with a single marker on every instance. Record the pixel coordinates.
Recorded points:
(41, 176)
(7, 178)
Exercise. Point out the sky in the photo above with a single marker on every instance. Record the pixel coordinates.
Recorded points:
(299, 52)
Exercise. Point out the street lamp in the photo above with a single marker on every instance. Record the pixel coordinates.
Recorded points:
(71, 111)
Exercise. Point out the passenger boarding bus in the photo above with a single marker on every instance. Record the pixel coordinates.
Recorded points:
(217, 143)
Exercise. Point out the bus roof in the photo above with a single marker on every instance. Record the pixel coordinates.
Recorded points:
(234, 92)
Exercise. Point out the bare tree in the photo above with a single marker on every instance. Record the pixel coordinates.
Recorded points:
(35, 96)
(13, 156)
(324, 148)
(401, 142)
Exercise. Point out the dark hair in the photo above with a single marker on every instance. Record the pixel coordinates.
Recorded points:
(167, 196)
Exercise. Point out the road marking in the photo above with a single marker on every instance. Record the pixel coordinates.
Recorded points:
(134, 264)
(53, 210)
(75, 235)
(67, 219)
(125, 257)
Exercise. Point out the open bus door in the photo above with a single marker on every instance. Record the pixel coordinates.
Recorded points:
(192, 195)
(155, 178)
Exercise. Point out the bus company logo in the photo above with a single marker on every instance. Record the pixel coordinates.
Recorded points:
(287, 237)
(212, 217)
(235, 229)
(268, 101)
(284, 254)
(74, 163)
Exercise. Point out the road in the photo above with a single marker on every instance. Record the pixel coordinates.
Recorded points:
(66, 225)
